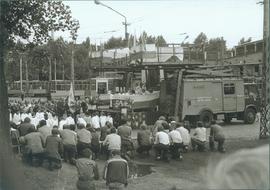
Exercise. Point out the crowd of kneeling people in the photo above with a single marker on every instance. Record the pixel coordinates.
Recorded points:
(80, 142)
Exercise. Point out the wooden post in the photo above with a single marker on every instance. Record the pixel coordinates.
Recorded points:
(178, 97)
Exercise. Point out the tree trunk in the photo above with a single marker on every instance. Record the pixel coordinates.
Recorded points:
(9, 167)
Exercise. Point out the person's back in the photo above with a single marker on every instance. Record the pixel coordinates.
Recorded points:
(200, 133)
(24, 127)
(33, 142)
(125, 132)
(54, 146)
(184, 134)
(84, 135)
(87, 171)
(45, 131)
(69, 137)
(162, 138)
(175, 136)
(143, 137)
(113, 141)
(116, 171)
(217, 131)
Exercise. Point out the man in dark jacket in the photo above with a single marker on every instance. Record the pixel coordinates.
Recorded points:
(216, 134)
(144, 140)
(124, 131)
(87, 171)
(25, 126)
(54, 150)
(33, 147)
(116, 171)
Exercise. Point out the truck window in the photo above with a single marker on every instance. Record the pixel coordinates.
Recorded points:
(229, 88)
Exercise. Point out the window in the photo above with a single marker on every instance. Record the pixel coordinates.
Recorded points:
(229, 89)
(257, 68)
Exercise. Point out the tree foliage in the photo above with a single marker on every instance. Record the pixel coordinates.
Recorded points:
(200, 39)
(243, 40)
(32, 20)
(115, 43)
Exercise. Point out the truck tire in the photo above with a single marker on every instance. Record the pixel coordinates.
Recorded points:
(206, 117)
(227, 119)
(250, 116)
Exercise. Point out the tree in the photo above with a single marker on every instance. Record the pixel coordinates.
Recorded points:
(200, 39)
(115, 43)
(243, 40)
(160, 41)
(31, 21)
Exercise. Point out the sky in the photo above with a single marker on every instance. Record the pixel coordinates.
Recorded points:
(230, 19)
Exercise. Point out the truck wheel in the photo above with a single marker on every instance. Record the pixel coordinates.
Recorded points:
(227, 119)
(206, 117)
(250, 116)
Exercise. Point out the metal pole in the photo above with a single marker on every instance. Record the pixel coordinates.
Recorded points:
(50, 70)
(55, 73)
(21, 84)
(26, 76)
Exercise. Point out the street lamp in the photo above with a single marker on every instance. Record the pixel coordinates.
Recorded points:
(125, 23)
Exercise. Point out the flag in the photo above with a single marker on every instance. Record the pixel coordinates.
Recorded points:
(71, 100)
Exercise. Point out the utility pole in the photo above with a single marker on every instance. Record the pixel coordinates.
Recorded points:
(26, 77)
(50, 69)
(21, 78)
(264, 129)
(55, 73)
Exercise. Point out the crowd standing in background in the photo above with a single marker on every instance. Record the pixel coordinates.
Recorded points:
(80, 138)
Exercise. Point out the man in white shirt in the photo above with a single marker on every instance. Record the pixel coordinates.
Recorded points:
(80, 120)
(95, 121)
(162, 143)
(185, 136)
(87, 118)
(24, 115)
(109, 118)
(176, 143)
(17, 118)
(199, 137)
(102, 119)
(70, 120)
(34, 120)
(40, 115)
(112, 142)
(62, 122)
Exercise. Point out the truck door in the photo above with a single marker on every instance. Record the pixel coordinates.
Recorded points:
(229, 97)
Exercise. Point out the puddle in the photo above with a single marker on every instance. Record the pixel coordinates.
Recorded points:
(139, 169)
